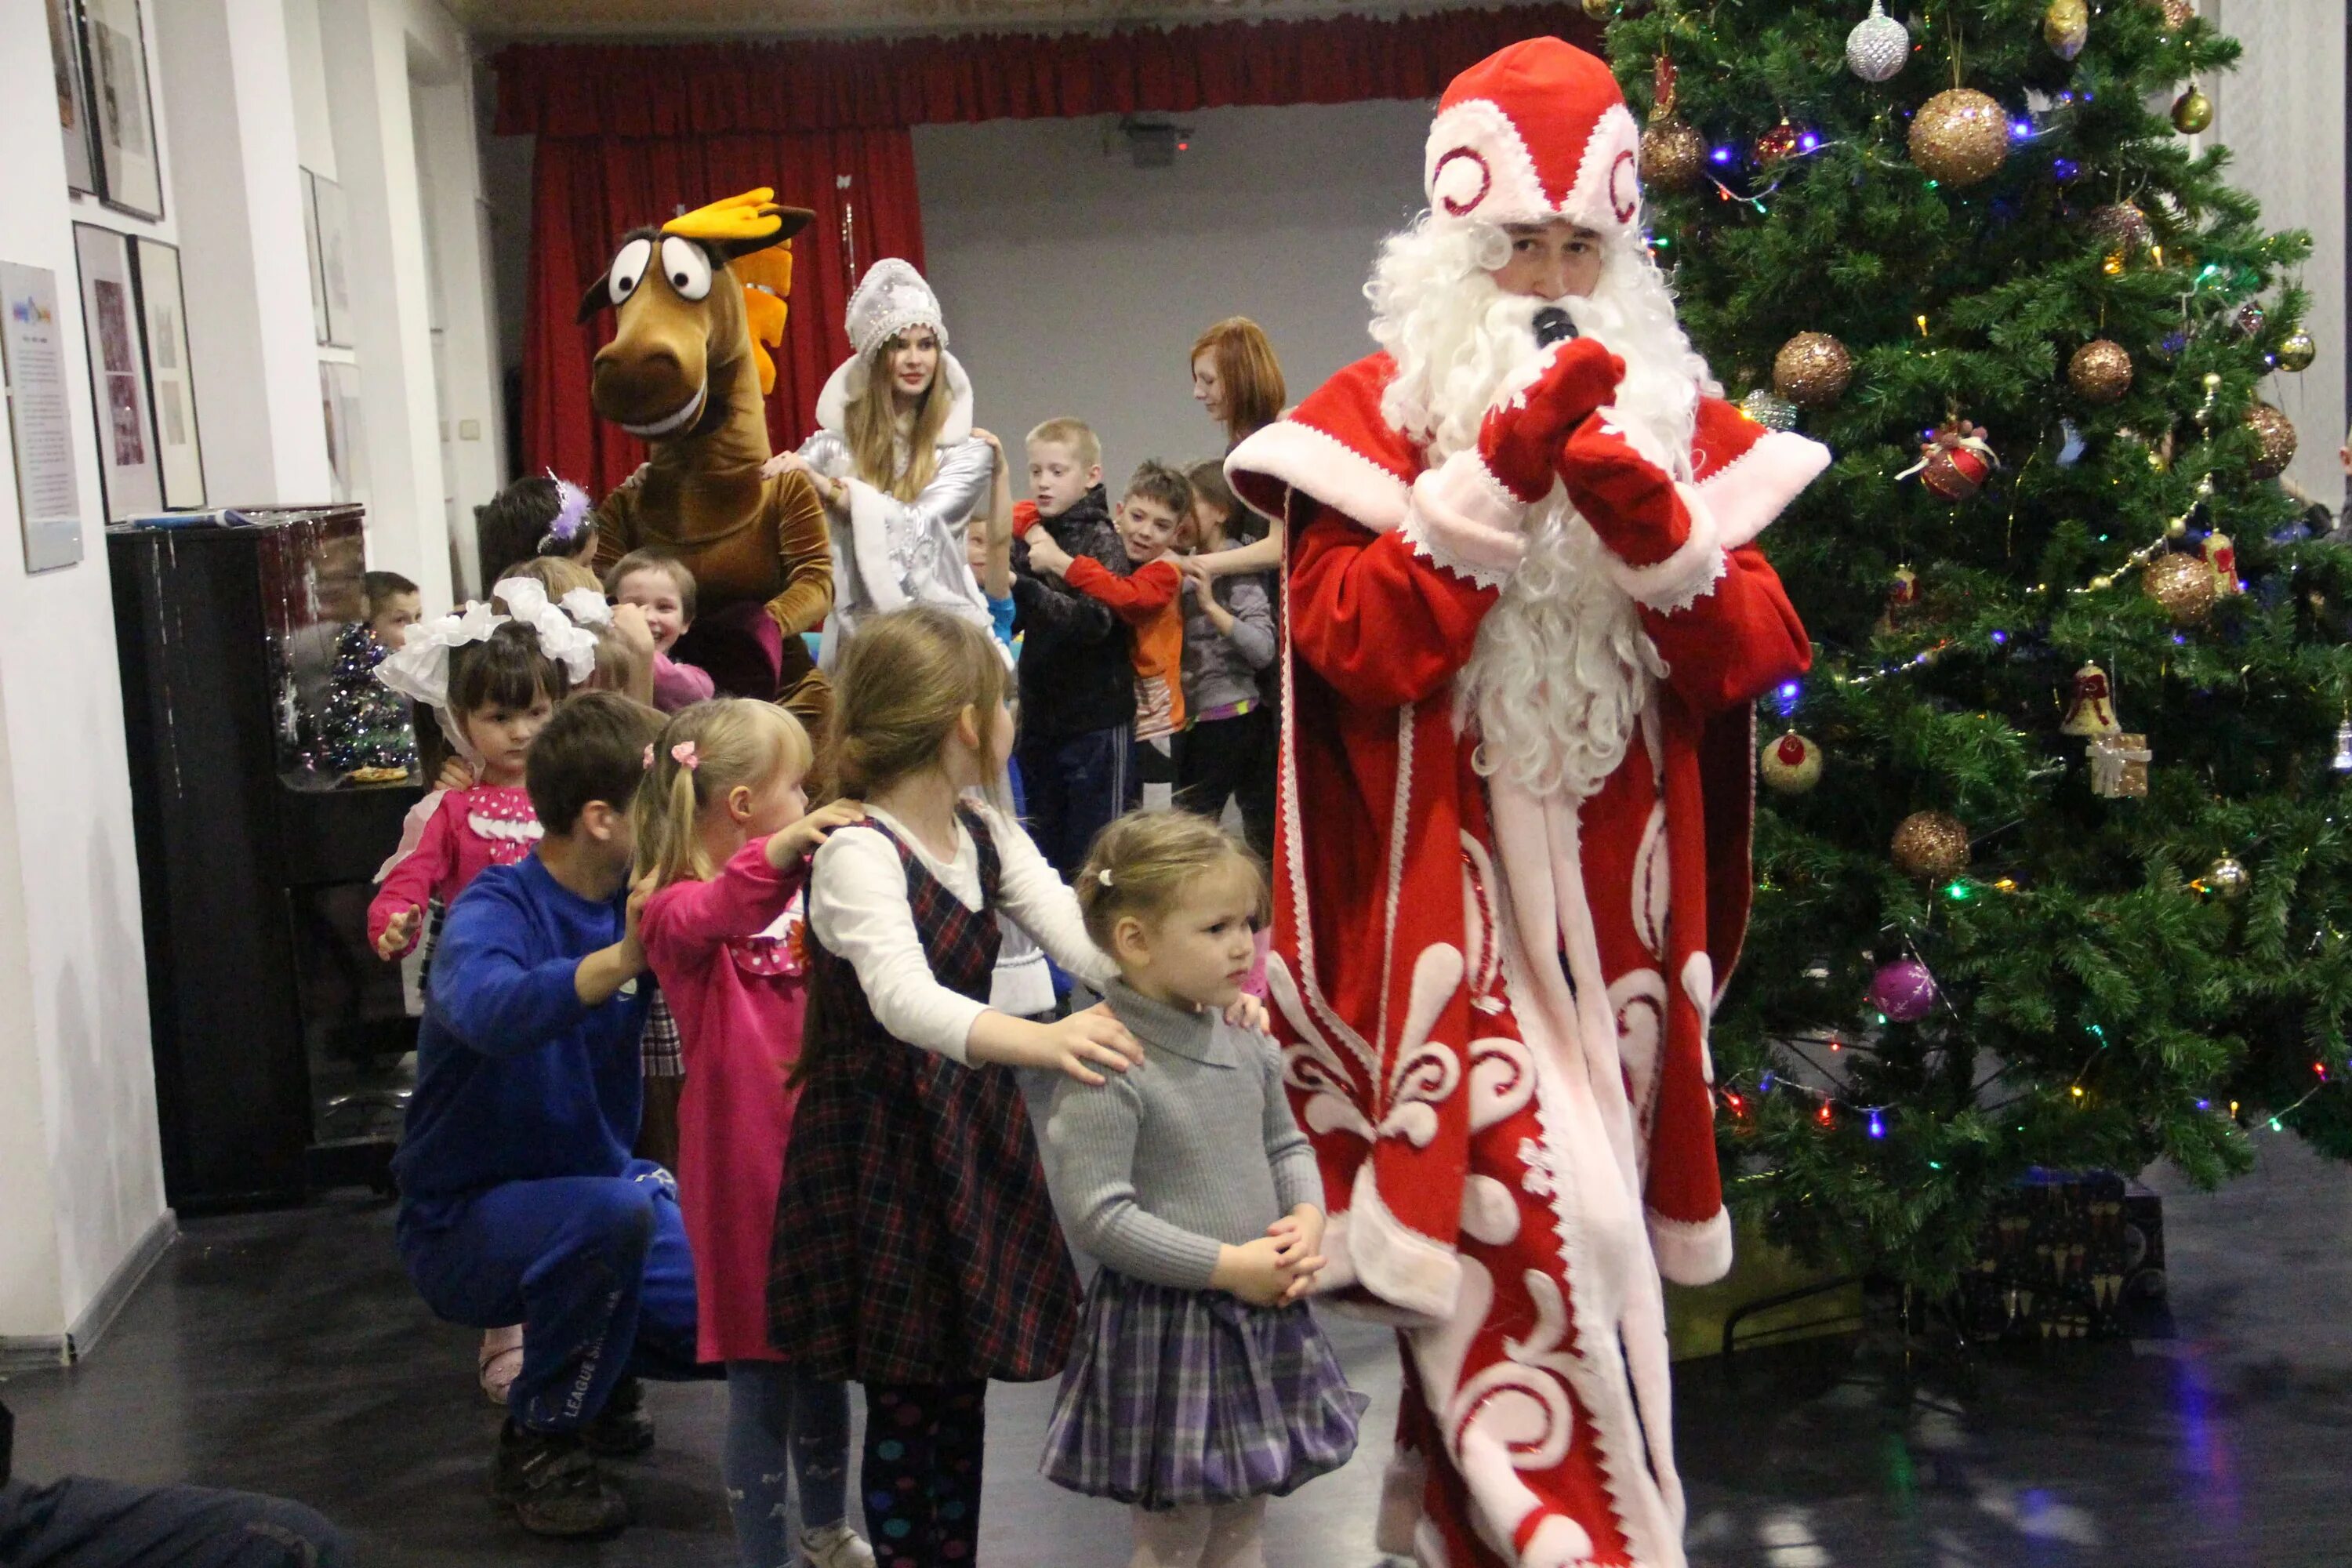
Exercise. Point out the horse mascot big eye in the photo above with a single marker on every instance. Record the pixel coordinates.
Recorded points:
(696, 304)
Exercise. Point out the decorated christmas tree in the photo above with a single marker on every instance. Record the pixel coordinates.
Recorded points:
(365, 729)
(2048, 857)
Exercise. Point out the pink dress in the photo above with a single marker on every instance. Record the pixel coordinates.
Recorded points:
(468, 831)
(728, 953)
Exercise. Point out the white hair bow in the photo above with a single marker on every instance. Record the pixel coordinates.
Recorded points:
(560, 638)
(587, 607)
(420, 669)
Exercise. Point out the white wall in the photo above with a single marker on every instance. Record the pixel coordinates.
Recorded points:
(1076, 283)
(2280, 114)
(82, 1184)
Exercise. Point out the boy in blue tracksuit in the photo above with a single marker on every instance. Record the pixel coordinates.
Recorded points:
(519, 1201)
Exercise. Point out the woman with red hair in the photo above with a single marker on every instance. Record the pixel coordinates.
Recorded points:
(1237, 382)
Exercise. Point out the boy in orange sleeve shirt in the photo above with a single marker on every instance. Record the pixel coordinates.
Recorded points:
(1157, 500)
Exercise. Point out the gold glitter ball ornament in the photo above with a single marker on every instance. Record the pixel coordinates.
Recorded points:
(1960, 136)
(1600, 10)
(2101, 371)
(2182, 584)
(2192, 111)
(1674, 154)
(2122, 228)
(1789, 765)
(1813, 370)
(1931, 845)
(2178, 14)
(2276, 441)
(2297, 350)
(2066, 28)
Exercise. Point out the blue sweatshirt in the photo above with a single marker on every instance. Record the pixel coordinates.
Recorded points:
(516, 1079)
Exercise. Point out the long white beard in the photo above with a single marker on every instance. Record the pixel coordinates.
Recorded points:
(1562, 667)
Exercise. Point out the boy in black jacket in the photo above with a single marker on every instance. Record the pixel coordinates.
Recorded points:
(1077, 680)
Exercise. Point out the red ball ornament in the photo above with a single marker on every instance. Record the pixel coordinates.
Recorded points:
(1782, 141)
(1956, 463)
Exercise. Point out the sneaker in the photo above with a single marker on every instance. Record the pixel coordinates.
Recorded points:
(553, 1484)
(621, 1429)
(835, 1546)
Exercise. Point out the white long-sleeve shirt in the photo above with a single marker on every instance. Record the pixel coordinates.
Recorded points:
(858, 910)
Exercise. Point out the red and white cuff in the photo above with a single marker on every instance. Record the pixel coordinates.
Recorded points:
(1462, 518)
(1687, 576)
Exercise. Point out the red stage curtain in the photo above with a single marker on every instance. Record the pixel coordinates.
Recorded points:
(589, 191)
(701, 89)
(627, 132)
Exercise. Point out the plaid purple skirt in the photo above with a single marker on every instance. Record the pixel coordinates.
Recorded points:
(1174, 1397)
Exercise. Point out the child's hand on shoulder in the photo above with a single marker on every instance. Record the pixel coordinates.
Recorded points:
(1246, 1012)
(1045, 555)
(1254, 1272)
(804, 837)
(456, 773)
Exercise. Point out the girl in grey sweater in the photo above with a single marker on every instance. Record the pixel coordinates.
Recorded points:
(1199, 1384)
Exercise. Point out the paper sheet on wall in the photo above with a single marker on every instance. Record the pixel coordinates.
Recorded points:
(32, 354)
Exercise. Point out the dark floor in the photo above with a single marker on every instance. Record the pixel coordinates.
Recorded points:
(286, 1353)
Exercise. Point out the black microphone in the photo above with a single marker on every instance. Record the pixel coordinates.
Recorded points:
(1552, 326)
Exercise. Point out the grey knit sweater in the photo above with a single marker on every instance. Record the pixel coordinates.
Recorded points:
(1155, 1170)
(1222, 669)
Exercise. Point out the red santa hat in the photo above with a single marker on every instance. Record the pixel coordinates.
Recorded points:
(1536, 132)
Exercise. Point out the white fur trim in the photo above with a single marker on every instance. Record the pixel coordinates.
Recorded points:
(1608, 194)
(1403, 1268)
(1686, 576)
(1463, 520)
(1327, 469)
(1476, 168)
(1691, 1252)
(847, 384)
(1746, 493)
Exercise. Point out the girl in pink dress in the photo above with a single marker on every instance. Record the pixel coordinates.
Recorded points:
(724, 835)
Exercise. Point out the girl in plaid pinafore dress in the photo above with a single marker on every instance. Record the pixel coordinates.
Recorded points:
(916, 1249)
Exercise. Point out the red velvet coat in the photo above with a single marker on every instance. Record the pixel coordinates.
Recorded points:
(1380, 810)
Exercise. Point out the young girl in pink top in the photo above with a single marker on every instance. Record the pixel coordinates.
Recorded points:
(724, 834)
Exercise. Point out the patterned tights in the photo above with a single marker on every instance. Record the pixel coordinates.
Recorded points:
(922, 1475)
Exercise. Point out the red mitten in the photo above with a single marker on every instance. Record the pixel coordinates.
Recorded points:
(1629, 500)
(1519, 440)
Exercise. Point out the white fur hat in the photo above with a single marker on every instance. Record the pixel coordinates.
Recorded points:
(891, 298)
(1536, 132)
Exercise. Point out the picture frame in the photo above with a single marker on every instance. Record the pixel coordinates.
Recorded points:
(40, 415)
(115, 336)
(317, 269)
(171, 379)
(73, 95)
(334, 260)
(339, 402)
(114, 46)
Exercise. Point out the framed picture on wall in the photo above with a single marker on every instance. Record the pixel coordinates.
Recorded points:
(115, 337)
(170, 385)
(338, 405)
(73, 94)
(318, 272)
(124, 119)
(334, 259)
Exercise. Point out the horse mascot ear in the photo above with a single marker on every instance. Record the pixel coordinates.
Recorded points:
(751, 234)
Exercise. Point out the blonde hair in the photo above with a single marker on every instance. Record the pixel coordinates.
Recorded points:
(1141, 864)
(1247, 372)
(872, 431)
(1075, 434)
(559, 574)
(737, 742)
(904, 681)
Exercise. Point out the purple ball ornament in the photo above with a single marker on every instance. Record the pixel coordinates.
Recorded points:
(1903, 990)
